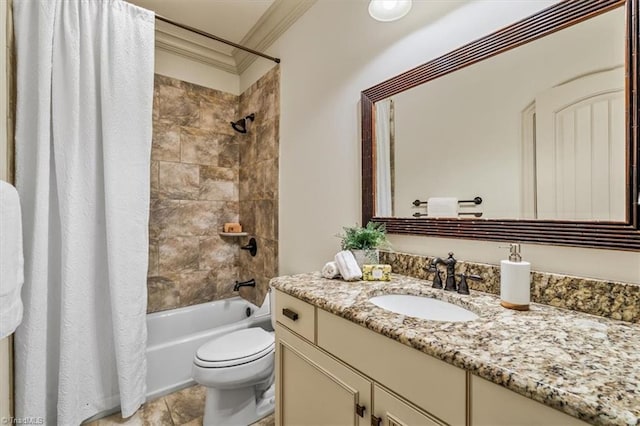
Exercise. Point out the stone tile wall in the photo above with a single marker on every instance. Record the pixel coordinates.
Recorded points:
(204, 174)
(610, 299)
(194, 191)
(259, 182)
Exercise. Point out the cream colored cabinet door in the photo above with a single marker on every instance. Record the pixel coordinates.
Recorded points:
(493, 405)
(315, 389)
(389, 410)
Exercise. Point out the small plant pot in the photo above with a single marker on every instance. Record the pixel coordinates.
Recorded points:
(366, 257)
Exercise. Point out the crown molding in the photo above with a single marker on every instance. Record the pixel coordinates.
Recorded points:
(276, 20)
(177, 43)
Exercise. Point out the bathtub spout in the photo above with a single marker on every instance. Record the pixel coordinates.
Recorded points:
(250, 283)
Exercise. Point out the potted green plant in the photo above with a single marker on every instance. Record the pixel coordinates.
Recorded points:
(364, 242)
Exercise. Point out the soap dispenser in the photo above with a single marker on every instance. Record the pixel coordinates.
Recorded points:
(515, 281)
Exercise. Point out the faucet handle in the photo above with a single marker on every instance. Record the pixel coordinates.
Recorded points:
(463, 287)
(433, 267)
(437, 280)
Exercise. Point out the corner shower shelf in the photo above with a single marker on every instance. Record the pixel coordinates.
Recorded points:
(233, 234)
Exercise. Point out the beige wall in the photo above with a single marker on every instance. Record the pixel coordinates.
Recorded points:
(322, 74)
(182, 68)
(4, 103)
(6, 344)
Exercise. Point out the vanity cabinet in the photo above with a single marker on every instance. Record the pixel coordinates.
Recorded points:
(339, 394)
(315, 387)
(330, 371)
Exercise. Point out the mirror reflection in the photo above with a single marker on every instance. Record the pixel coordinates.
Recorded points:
(537, 132)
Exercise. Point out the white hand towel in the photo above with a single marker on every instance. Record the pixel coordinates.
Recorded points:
(348, 266)
(442, 207)
(11, 260)
(330, 270)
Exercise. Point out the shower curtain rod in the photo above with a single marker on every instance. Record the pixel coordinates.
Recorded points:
(216, 38)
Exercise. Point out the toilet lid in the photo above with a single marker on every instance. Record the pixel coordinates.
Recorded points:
(237, 347)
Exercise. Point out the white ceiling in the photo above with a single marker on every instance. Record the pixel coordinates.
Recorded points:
(252, 23)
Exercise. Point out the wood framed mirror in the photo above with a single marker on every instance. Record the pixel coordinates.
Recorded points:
(529, 220)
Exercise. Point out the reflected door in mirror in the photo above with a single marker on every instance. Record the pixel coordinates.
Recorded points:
(579, 145)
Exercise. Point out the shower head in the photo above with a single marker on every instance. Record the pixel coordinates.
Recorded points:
(240, 126)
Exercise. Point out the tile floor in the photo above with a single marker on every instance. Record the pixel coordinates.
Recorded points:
(181, 408)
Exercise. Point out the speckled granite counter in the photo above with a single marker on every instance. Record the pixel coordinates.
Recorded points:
(584, 365)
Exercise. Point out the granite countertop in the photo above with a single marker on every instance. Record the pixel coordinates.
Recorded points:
(584, 365)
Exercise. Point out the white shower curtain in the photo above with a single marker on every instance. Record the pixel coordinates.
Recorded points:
(83, 141)
(384, 200)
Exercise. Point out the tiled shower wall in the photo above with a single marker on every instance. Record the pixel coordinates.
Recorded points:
(259, 181)
(204, 174)
(194, 190)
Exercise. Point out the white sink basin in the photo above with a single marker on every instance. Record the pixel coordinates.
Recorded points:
(423, 307)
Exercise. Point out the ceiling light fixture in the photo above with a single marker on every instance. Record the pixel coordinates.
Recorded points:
(389, 10)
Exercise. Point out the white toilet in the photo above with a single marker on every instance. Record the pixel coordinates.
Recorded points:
(238, 371)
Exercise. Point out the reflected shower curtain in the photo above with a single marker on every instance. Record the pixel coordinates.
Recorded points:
(83, 141)
(384, 200)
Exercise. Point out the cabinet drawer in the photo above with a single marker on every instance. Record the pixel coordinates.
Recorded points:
(433, 385)
(296, 315)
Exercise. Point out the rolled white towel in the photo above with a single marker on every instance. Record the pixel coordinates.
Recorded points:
(330, 270)
(348, 266)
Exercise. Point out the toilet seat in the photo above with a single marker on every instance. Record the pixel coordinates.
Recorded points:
(239, 347)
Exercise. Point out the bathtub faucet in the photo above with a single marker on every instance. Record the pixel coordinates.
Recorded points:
(250, 283)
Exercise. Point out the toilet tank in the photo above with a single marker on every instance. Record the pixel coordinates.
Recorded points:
(263, 314)
(272, 301)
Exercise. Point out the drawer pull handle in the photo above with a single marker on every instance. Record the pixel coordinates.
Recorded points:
(360, 410)
(375, 421)
(290, 314)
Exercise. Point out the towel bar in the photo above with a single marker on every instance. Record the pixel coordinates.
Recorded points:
(476, 201)
(476, 214)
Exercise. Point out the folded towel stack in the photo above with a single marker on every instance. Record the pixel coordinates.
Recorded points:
(348, 266)
(330, 270)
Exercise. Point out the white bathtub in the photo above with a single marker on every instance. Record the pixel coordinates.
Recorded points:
(175, 335)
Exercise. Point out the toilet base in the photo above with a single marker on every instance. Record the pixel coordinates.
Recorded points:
(237, 407)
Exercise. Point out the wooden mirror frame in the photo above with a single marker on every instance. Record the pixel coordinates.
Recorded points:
(598, 234)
